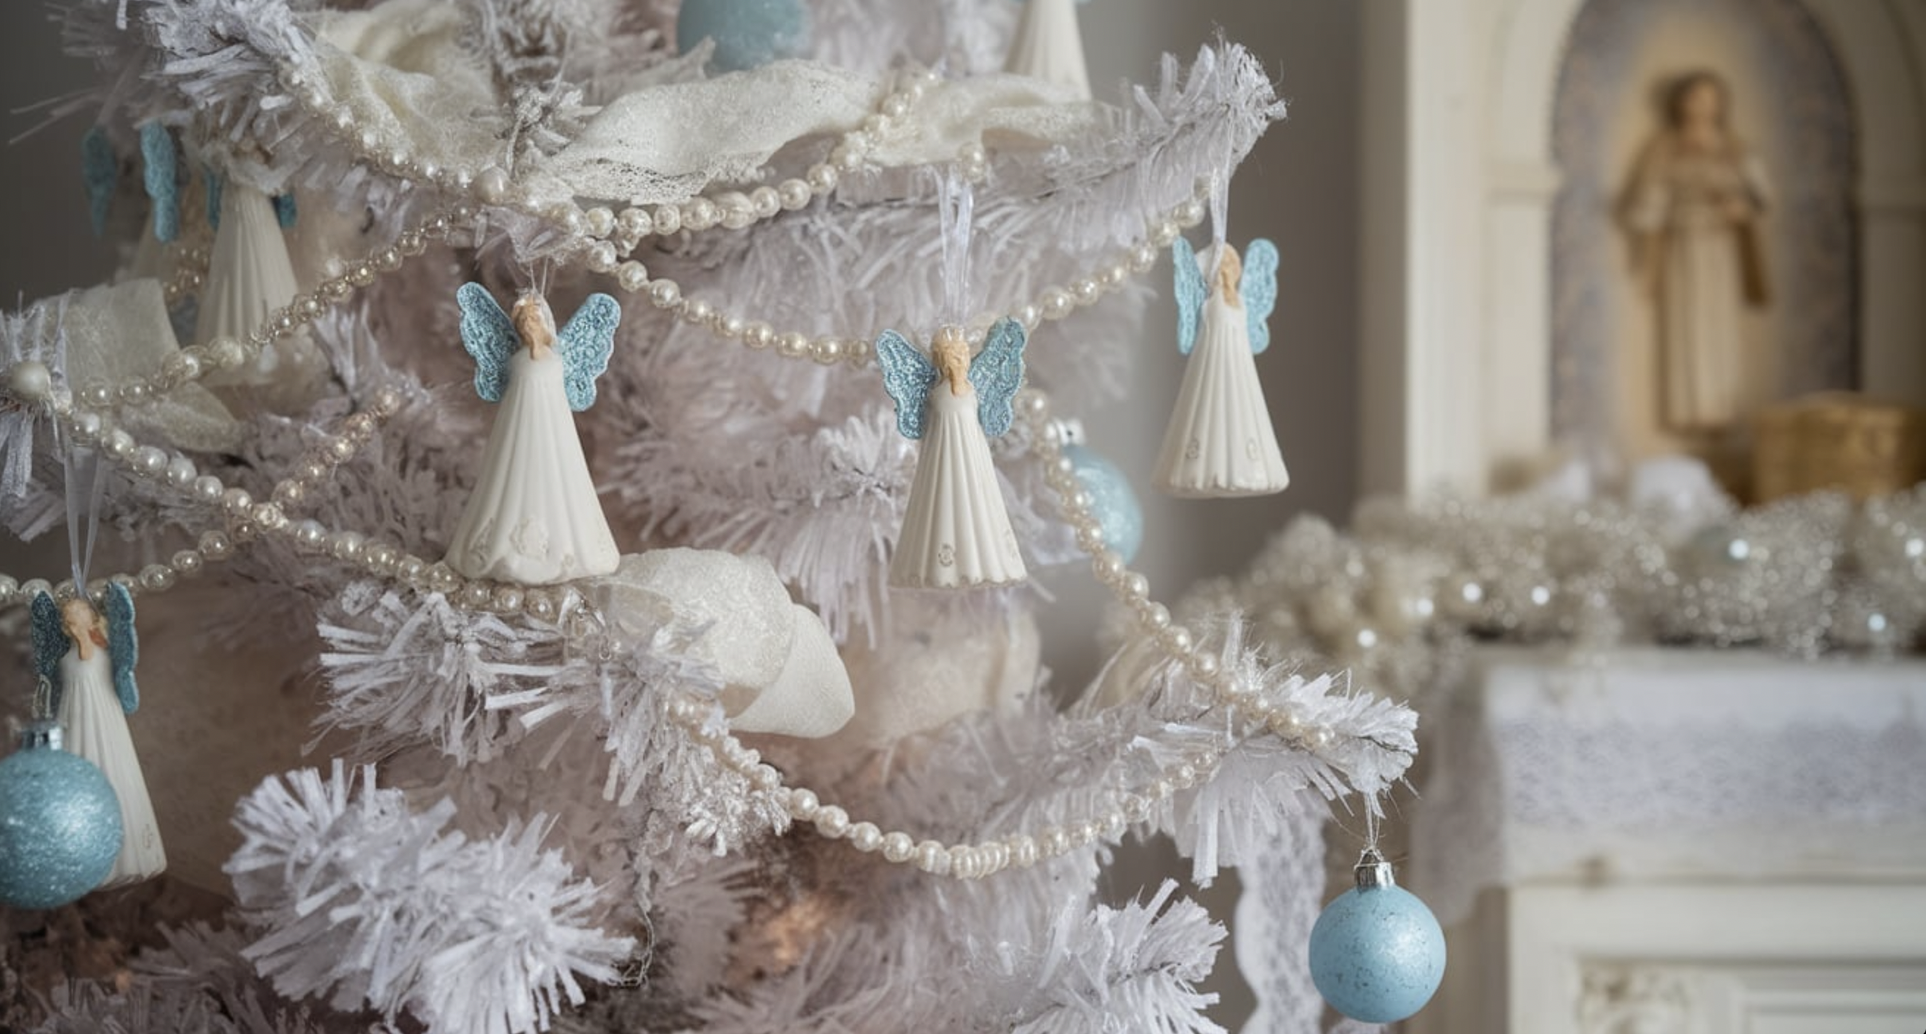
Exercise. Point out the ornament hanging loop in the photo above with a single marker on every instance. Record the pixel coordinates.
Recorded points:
(43, 701)
(956, 205)
(1219, 205)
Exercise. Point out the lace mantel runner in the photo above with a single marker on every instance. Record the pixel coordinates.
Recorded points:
(1670, 762)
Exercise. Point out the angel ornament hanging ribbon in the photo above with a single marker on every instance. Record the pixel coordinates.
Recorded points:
(534, 517)
(88, 658)
(1220, 442)
(956, 533)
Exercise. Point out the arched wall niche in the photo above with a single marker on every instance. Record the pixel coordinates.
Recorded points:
(1457, 285)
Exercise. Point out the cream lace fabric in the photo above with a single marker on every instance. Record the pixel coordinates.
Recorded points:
(1283, 892)
(1672, 762)
(664, 144)
(401, 68)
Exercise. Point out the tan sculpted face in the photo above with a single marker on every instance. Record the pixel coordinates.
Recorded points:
(535, 323)
(1703, 105)
(1230, 270)
(951, 350)
(83, 626)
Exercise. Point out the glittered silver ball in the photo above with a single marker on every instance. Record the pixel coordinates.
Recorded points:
(60, 827)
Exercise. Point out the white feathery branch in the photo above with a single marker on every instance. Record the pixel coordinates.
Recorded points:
(359, 898)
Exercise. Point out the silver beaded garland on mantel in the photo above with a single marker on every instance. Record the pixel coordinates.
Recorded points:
(1414, 583)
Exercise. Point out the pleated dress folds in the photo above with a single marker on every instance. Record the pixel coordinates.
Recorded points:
(534, 517)
(95, 727)
(1219, 441)
(956, 533)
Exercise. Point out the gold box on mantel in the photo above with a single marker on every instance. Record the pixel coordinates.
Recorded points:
(1837, 440)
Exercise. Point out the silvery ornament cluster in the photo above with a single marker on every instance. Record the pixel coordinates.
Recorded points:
(1415, 582)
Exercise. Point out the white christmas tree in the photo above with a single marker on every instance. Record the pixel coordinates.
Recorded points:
(727, 778)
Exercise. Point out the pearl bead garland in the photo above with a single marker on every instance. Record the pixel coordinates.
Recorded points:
(1053, 302)
(193, 362)
(603, 238)
(1022, 850)
(244, 518)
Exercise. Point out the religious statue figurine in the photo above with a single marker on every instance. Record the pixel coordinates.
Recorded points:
(535, 517)
(88, 660)
(1693, 208)
(1219, 442)
(956, 533)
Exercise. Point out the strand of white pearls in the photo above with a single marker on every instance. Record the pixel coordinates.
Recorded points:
(193, 362)
(1054, 302)
(188, 260)
(979, 859)
(244, 519)
(248, 519)
(601, 234)
(1132, 589)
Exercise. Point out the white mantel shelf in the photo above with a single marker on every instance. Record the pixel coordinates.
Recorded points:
(1675, 841)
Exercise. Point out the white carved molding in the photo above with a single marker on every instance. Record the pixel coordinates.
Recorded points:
(1625, 998)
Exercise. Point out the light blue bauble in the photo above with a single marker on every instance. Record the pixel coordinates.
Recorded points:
(1112, 501)
(748, 33)
(1377, 954)
(59, 823)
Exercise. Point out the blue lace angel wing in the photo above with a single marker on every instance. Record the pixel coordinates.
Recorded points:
(489, 336)
(284, 211)
(216, 183)
(123, 645)
(1258, 288)
(100, 171)
(1191, 292)
(996, 373)
(907, 376)
(50, 643)
(161, 179)
(585, 346)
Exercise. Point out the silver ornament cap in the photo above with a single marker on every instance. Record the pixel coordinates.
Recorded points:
(43, 735)
(1374, 871)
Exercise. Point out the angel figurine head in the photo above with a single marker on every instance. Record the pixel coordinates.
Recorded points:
(534, 323)
(1230, 269)
(83, 626)
(951, 351)
(75, 626)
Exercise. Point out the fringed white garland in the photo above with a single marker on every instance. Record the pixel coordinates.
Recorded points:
(363, 900)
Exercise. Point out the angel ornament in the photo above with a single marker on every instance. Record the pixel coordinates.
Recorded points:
(89, 660)
(956, 534)
(1219, 442)
(535, 517)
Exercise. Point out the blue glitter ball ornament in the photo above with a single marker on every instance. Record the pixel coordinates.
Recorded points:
(748, 33)
(1377, 954)
(59, 823)
(1112, 501)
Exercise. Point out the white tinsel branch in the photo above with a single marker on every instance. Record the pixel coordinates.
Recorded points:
(359, 898)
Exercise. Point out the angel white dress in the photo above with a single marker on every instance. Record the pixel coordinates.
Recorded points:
(1219, 441)
(956, 533)
(96, 729)
(535, 517)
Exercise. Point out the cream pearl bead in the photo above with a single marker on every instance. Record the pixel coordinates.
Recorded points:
(30, 379)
